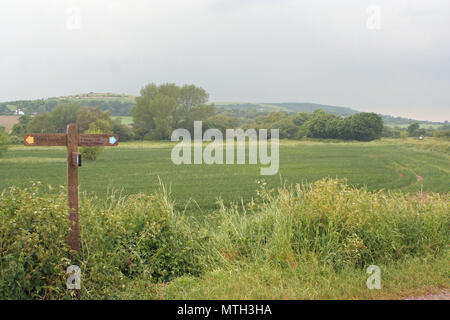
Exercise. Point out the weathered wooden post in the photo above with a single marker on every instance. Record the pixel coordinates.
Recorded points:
(71, 139)
(72, 185)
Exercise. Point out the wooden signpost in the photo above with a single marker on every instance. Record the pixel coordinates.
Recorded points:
(71, 140)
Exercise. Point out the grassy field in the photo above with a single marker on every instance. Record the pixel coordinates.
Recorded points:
(136, 167)
(299, 241)
(125, 119)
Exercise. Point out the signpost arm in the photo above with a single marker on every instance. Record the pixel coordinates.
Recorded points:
(72, 186)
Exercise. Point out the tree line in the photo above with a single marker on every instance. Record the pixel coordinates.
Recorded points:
(160, 109)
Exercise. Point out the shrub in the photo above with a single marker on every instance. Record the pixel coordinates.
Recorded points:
(97, 127)
(126, 240)
(33, 250)
(123, 238)
(15, 140)
(4, 141)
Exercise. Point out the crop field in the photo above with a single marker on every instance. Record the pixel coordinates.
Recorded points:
(8, 122)
(125, 119)
(138, 167)
(152, 230)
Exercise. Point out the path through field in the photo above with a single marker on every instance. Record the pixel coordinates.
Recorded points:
(444, 295)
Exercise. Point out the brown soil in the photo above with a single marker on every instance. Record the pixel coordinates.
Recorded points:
(8, 122)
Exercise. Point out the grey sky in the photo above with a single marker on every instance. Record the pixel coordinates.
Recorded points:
(249, 50)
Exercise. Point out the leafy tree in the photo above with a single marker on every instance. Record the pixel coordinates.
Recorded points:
(300, 118)
(62, 115)
(318, 126)
(365, 126)
(220, 122)
(86, 116)
(389, 132)
(161, 109)
(123, 131)
(412, 129)
(19, 128)
(288, 130)
(41, 123)
(100, 126)
(55, 121)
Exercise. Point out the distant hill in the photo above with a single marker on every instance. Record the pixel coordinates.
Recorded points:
(121, 104)
(117, 104)
(291, 107)
(295, 107)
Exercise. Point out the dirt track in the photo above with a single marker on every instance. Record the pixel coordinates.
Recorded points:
(444, 295)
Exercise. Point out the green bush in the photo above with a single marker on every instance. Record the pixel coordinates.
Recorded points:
(33, 250)
(4, 141)
(141, 240)
(136, 236)
(15, 140)
(123, 238)
(90, 153)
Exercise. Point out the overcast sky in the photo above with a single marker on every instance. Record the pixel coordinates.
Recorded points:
(391, 57)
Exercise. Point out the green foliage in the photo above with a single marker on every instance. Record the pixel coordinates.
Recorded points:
(442, 133)
(389, 132)
(4, 141)
(123, 238)
(123, 131)
(161, 109)
(86, 116)
(15, 139)
(33, 250)
(364, 126)
(412, 129)
(117, 105)
(140, 239)
(339, 225)
(360, 126)
(137, 236)
(20, 128)
(97, 127)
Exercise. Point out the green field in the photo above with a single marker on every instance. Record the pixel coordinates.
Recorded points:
(310, 241)
(136, 167)
(125, 119)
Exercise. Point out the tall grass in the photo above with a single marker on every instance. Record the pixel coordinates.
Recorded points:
(320, 232)
(339, 225)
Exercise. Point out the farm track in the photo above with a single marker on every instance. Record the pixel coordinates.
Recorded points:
(444, 295)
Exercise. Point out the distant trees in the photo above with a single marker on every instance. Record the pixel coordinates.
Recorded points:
(4, 140)
(161, 109)
(319, 124)
(56, 121)
(363, 126)
(412, 129)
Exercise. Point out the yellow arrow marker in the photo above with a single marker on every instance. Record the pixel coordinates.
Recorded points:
(30, 140)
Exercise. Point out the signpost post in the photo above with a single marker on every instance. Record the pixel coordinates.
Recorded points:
(71, 139)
